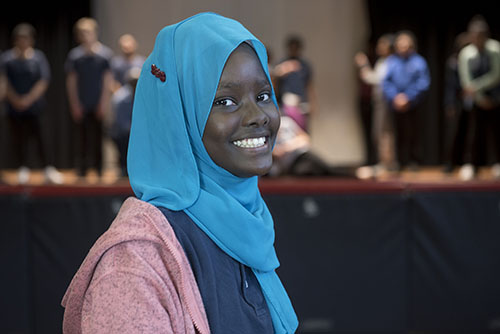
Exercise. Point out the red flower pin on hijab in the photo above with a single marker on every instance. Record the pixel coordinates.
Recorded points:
(158, 73)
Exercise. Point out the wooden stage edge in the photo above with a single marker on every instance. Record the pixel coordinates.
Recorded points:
(280, 186)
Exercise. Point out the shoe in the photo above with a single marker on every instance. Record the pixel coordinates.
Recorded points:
(23, 175)
(365, 172)
(466, 172)
(52, 175)
(495, 171)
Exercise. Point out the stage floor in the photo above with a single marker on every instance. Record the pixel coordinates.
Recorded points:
(425, 179)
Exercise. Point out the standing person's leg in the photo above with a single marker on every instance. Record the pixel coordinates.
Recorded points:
(365, 110)
(95, 135)
(451, 131)
(483, 138)
(123, 154)
(51, 174)
(35, 132)
(402, 138)
(121, 142)
(494, 130)
(377, 131)
(19, 147)
(81, 145)
(387, 141)
(16, 140)
(470, 154)
(458, 144)
(412, 128)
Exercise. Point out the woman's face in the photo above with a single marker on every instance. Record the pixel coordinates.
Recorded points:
(242, 125)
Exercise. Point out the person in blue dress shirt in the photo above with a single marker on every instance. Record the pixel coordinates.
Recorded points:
(404, 86)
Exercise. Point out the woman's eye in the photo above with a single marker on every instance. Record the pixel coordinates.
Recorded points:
(224, 102)
(263, 97)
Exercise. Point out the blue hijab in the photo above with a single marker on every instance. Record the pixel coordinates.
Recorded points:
(167, 161)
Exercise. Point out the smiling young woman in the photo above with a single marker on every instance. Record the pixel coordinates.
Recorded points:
(243, 123)
(194, 252)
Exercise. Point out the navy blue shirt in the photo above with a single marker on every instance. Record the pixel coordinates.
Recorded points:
(296, 82)
(22, 74)
(90, 68)
(231, 294)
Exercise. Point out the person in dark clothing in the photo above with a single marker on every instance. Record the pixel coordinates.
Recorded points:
(295, 88)
(88, 82)
(379, 133)
(27, 76)
(122, 103)
(407, 80)
(479, 70)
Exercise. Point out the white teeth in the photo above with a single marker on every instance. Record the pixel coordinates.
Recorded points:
(250, 142)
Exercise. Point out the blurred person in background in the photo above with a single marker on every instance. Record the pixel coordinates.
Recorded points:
(292, 154)
(455, 118)
(89, 81)
(122, 63)
(122, 103)
(26, 76)
(294, 84)
(479, 70)
(382, 133)
(406, 81)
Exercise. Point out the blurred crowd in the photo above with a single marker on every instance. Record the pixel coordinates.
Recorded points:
(100, 88)
(399, 81)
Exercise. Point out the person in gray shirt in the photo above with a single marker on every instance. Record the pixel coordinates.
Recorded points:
(479, 72)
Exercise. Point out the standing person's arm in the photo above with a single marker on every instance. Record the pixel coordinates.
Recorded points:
(313, 99)
(6, 90)
(74, 101)
(27, 100)
(491, 78)
(75, 105)
(451, 88)
(13, 98)
(104, 100)
(367, 73)
(310, 92)
(464, 72)
(40, 87)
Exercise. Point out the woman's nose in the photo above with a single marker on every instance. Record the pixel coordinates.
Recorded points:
(254, 115)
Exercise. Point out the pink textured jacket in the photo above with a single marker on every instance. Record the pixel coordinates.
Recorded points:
(135, 279)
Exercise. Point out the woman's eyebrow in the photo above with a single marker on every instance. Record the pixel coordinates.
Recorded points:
(236, 84)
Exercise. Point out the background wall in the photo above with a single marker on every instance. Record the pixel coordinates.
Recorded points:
(322, 24)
